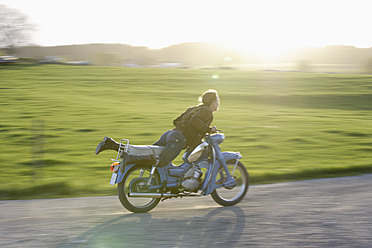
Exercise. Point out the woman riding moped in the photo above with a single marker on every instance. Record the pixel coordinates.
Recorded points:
(190, 127)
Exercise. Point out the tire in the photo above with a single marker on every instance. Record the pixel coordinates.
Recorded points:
(134, 204)
(231, 196)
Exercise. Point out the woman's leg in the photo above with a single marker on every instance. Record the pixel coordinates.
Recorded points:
(163, 139)
(175, 142)
(107, 144)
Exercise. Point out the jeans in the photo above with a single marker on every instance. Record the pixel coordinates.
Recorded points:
(174, 143)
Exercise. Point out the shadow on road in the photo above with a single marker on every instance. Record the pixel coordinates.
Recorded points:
(219, 227)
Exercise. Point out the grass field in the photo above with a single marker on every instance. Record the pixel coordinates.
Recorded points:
(287, 125)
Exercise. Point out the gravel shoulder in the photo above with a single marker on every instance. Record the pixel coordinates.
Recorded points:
(316, 213)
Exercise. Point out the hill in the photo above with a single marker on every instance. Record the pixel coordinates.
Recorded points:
(193, 55)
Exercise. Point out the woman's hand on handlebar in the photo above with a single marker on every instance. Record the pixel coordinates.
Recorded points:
(214, 129)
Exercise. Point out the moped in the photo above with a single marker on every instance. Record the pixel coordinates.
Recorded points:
(205, 170)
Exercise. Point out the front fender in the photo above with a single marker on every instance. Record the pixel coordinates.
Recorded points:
(226, 157)
(231, 155)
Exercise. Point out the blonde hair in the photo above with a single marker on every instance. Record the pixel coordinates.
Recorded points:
(208, 97)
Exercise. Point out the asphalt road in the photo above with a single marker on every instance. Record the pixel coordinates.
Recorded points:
(316, 213)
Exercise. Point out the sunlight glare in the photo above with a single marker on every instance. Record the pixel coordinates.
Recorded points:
(268, 28)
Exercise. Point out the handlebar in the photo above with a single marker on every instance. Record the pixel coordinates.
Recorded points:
(218, 131)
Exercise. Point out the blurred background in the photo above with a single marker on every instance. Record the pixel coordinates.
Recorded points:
(318, 36)
(294, 79)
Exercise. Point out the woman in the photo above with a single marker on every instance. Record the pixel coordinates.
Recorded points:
(190, 127)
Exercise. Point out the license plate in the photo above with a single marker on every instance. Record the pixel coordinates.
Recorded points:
(113, 178)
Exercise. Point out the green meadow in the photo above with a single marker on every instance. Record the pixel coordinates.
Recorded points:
(287, 125)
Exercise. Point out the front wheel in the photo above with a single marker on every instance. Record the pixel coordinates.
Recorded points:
(229, 196)
(135, 180)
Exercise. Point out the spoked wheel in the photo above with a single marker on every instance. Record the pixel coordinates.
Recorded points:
(229, 196)
(135, 180)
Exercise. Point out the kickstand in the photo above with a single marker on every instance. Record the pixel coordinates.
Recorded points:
(162, 190)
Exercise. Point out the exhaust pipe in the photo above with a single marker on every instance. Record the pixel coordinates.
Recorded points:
(152, 195)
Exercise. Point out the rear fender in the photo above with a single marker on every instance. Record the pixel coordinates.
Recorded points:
(120, 176)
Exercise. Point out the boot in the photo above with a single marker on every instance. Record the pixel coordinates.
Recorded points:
(148, 159)
(107, 144)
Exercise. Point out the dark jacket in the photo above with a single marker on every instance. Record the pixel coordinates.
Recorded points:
(194, 124)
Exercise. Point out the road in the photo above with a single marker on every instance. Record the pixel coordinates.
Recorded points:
(316, 213)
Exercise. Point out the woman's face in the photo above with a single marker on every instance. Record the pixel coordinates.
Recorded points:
(215, 105)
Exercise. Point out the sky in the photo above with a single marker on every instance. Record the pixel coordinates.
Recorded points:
(267, 26)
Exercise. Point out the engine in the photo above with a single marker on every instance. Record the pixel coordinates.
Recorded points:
(191, 181)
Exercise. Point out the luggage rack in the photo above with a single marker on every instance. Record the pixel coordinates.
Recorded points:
(123, 147)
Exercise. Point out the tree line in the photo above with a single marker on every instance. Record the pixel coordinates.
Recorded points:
(193, 54)
(16, 32)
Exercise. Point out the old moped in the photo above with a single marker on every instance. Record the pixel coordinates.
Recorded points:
(205, 170)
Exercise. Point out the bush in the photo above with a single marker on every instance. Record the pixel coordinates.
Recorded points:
(368, 66)
(303, 65)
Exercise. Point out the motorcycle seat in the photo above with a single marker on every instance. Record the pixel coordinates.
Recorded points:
(145, 149)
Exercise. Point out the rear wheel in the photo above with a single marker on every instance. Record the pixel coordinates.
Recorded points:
(135, 180)
(229, 196)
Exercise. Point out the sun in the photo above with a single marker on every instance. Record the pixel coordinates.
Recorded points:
(264, 50)
(274, 52)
